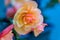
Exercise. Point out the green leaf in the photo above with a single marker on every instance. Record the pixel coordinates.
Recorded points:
(16, 35)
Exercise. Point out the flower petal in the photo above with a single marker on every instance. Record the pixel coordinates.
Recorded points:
(18, 4)
(8, 36)
(6, 31)
(23, 30)
(39, 29)
(37, 32)
(10, 12)
(30, 4)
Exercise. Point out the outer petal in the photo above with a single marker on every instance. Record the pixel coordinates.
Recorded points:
(37, 32)
(8, 36)
(13, 1)
(6, 31)
(23, 30)
(18, 4)
(30, 4)
(39, 29)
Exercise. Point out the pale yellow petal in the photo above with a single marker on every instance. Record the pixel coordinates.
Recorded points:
(18, 18)
(23, 30)
(30, 4)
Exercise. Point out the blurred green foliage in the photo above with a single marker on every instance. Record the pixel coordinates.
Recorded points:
(52, 3)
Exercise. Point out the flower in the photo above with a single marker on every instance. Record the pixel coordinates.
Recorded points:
(10, 12)
(27, 19)
(7, 33)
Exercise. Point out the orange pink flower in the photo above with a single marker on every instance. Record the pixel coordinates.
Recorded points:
(28, 18)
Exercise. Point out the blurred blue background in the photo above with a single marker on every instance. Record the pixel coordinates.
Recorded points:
(52, 31)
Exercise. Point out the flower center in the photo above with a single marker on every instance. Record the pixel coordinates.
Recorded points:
(28, 18)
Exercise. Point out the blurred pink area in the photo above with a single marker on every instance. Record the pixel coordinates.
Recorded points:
(11, 12)
(6, 31)
(7, 2)
(8, 36)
